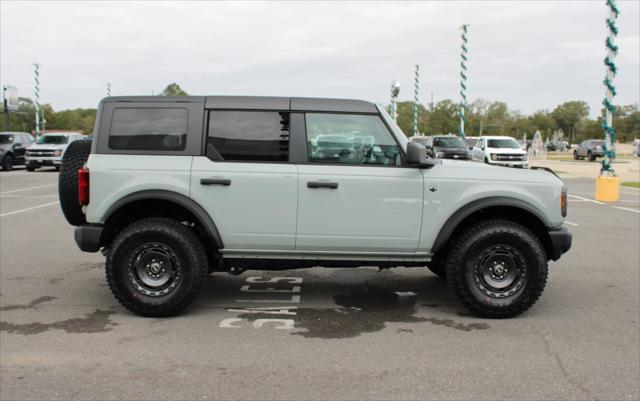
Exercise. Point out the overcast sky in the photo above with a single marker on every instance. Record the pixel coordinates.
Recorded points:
(531, 54)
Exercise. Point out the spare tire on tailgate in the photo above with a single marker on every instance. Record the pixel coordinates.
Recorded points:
(74, 159)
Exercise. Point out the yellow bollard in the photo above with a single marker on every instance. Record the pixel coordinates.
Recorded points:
(607, 188)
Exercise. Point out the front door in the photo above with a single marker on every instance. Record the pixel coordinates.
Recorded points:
(354, 194)
(245, 181)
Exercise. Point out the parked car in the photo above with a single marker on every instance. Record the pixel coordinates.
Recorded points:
(12, 148)
(590, 149)
(174, 188)
(500, 151)
(447, 147)
(49, 150)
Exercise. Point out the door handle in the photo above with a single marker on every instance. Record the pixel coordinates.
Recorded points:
(322, 184)
(215, 181)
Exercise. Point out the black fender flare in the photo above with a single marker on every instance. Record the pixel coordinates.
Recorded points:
(192, 206)
(468, 209)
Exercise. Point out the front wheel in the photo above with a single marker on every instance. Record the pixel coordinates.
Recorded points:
(7, 163)
(575, 155)
(156, 267)
(497, 268)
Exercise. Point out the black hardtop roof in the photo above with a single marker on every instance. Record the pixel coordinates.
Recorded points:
(258, 103)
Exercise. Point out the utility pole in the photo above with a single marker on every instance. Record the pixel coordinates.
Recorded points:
(463, 78)
(37, 95)
(415, 101)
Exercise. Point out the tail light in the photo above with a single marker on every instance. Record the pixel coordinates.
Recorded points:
(563, 202)
(83, 186)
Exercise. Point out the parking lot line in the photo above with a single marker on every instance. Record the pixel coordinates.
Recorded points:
(27, 189)
(571, 223)
(628, 209)
(582, 198)
(29, 208)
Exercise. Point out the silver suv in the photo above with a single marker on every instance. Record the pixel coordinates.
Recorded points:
(172, 189)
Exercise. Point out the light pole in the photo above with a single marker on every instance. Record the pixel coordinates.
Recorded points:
(415, 101)
(607, 183)
(36, 71)
(395, 90)
(108, 88)
(463, 78)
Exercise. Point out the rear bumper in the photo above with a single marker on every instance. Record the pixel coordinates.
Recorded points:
(88, 237)
(560, 242)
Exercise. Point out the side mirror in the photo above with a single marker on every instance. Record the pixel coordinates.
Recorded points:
(417, 156)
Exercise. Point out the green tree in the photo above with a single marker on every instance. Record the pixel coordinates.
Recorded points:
(173, 89)
(568, 116)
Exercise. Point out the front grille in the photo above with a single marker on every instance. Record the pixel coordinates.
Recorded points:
(510, 157)
(40, 152)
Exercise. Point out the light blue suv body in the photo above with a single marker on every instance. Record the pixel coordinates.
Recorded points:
(271, 183)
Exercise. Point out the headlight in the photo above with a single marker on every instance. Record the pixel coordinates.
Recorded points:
(57, 152)
(494, 157)
(439, 154)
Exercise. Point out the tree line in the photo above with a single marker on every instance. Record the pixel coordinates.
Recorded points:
(495, 118)
(482, 118)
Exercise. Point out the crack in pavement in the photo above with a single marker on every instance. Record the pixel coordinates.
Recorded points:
(560, 364)
(30, 305)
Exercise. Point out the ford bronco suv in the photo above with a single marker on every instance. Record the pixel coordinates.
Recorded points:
(172, 189)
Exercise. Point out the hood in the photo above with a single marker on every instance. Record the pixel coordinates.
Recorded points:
(473, 171)
(47, 146)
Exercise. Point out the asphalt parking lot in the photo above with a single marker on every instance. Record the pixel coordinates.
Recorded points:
(321, 333)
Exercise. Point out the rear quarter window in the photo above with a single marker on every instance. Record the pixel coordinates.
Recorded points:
(160, 129)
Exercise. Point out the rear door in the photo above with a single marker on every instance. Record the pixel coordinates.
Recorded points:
(245, 180)
(354, 194)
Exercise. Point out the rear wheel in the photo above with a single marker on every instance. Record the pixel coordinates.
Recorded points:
(29, 168)
(7, 163)
(156, 267)
(590, 156)
(497, 268)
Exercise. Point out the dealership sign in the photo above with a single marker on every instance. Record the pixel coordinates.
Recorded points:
(11, 98)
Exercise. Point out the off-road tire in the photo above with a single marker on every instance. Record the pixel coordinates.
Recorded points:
(465, 260)
(74, 158)
(7, 163)
(191, 261)
(438, 267)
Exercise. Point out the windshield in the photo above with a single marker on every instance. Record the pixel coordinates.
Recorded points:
(504, 143)
(53, 140)
(449, 142)
(6, 139)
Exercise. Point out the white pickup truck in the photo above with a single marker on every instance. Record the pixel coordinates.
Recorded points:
(49, 149)
(500, 151)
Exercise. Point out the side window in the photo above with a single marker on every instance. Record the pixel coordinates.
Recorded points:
(259, 136)
(162, 129)
(350, 139)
